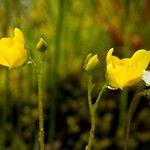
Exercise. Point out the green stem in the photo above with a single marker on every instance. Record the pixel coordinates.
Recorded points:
(6, 21)
(17, 12)
(99, 95)
(92, 131)
(93, 108)
(57, 69)
(40, 109)
(131, 108)
(5, 26)
(59, 30)
(122, 113)
(89, 94)
(5, 110)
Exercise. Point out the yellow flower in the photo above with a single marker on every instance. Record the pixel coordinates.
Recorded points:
(128, 71)
(12, 50)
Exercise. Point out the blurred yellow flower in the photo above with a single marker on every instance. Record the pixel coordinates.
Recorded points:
(12, 50)
(128, 71)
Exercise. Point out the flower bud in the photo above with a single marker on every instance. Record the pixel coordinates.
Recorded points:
(91, 62)
(41, 45)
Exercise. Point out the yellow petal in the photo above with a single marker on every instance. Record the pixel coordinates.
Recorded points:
(111, 76)
(18, 58)
(109, 56)
(18, 36)
(6, 41)
(140, 61)
(5, 45)
(116, 69)
(110, 69)
(3, 61)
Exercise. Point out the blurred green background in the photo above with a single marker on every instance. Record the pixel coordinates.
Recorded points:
(72, 29)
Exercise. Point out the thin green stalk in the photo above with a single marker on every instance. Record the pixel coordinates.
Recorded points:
(6, 108)
(6, 23)
(16, 22)
(93, 108)
(39, 59)
(40, 108)
(59, 29)
(122, 113)
(57, 69)
(131, 108)
(99, 95)
(90, 88)
(92, 131)
(17, 12)
(126, 30)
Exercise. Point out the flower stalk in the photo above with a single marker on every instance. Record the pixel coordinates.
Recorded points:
(5, 26)
(40, 108)
(41, 47)
(93, 108)
(131, 108)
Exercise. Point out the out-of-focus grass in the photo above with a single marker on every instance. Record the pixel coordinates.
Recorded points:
(72, 30)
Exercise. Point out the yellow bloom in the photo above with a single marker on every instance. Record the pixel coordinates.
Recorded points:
(128, 71)
(12, 50)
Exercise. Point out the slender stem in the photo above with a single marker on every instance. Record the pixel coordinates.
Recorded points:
(93, 108)
(131, 108)
(92, 114)
(5, 26)
(40, 109)
(89, 94)
(122, 117)
(92, 131)
(57, 69)
(17, 4)
(59, 30)
(5, 110)
(6, 21)
(99, 95)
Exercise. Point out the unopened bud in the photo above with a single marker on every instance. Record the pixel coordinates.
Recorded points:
(91, 62)
(41, 45)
